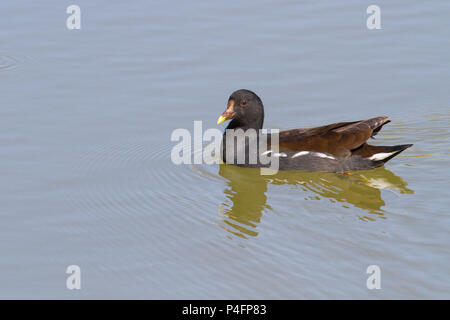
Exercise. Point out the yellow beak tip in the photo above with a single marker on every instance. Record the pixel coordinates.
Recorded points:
(221, 119)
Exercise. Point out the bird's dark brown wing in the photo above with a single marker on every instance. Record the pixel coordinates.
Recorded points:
(337, 139)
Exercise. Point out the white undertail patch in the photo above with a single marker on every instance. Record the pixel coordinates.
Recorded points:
(382, 155)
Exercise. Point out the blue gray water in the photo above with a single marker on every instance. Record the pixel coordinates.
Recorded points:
(85, 122)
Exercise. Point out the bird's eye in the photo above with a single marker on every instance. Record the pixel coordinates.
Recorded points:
(243, 103)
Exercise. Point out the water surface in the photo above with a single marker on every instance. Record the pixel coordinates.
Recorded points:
(86, 117)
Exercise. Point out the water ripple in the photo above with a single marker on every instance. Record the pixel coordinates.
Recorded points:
(138, 180)
(8, 62)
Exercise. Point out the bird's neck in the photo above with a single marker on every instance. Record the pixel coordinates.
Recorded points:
(236, 124)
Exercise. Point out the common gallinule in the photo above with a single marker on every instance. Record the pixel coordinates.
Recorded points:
(336, 147)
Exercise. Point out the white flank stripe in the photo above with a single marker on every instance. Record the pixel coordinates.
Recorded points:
(323, 155)
(381, 156)
(301, 153)
(280, 154)
(316, 154)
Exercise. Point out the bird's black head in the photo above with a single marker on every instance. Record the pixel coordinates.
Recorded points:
(245, 109)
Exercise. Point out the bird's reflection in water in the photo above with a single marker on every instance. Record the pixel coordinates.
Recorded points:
(246, 193)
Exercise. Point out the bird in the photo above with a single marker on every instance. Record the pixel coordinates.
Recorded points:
(336, 147)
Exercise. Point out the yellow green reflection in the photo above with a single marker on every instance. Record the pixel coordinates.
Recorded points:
(246, 193)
